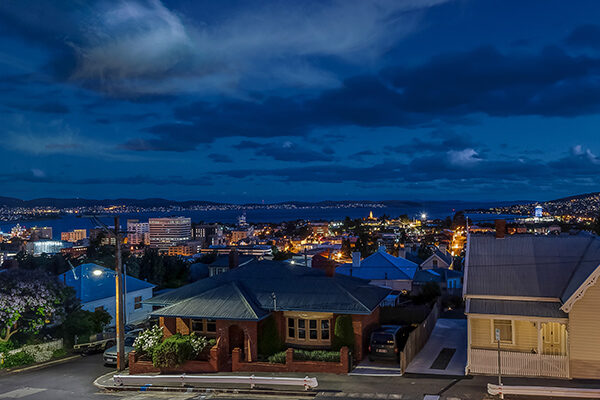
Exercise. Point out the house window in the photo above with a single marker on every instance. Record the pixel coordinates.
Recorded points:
(204, 326)
(137, 302)
(101, 308)
(308, 330)
(291, 328)
(505, 326)
(435, 263)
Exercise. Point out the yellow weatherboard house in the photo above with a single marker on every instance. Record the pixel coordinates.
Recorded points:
(541, 294)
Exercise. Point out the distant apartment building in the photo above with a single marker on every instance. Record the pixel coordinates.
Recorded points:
(105, 238)
(44, 232)
(209, 234)
(241, 234)
(186, 250)
(138, 232)
(320, 228)
(73, 236)
(167, 232)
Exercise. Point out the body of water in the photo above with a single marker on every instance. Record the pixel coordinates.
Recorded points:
(432, 210)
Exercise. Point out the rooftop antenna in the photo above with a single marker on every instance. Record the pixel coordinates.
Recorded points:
(274, 297)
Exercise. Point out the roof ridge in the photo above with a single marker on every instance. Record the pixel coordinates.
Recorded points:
(351, 295)
(583, 254)
(243, 297)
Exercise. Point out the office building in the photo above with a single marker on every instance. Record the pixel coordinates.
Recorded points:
(167, 232)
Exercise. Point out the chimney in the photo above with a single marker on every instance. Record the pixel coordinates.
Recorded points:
(234, 259)
(330, 268)
(500, 228)
(356, 259)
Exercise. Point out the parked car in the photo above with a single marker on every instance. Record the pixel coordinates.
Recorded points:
(110, 354)
(387, 342)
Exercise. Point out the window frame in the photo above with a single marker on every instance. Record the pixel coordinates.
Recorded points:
(293, 324)
(493, 331)
(137, 302)
(204, 322)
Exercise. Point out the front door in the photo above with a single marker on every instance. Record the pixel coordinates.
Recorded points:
(236, 339)
(554, 338)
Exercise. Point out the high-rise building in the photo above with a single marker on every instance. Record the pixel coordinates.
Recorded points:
(138, 232)
(73, 236)
(167, 232)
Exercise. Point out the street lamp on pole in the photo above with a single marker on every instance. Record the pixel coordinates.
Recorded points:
(120, 322)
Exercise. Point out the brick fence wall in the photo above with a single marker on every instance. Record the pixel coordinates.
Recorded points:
(291, 365)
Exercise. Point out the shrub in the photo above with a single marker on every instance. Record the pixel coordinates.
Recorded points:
(212, 342)
(17, 360)
(277, 358)
(174, 351)
(6, 346)
(268, 341)
(343, 334)
(148, 340)
(317, 355)
(59, 353)
(198, 343)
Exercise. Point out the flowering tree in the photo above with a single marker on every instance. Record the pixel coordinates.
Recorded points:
(27, 300)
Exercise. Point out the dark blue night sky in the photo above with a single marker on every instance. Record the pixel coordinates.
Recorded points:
(299, 100)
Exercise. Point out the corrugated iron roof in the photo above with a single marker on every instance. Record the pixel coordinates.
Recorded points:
(528, 265)
(511, 307)
(295, 288)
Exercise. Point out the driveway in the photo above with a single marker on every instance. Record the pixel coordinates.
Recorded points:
(446, 351)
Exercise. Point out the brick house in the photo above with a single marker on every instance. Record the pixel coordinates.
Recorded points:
(304, 302)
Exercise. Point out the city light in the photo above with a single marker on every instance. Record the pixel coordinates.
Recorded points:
(97, 272)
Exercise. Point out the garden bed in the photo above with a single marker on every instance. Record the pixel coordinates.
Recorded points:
(297, 361)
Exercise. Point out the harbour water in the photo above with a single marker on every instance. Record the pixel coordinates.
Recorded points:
(432, 210)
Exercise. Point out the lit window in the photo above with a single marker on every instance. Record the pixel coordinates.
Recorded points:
(101, 308)
(318, 330)
(505, 326)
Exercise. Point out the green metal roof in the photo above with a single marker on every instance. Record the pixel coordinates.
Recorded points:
(254, 290)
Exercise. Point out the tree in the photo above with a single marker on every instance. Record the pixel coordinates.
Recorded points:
(269, 342)
(343, 333)
(27, 300)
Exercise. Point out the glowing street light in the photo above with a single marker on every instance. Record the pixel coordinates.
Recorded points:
(423, 216)
(97, 272)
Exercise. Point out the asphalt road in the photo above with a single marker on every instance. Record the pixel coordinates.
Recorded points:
(74, 380)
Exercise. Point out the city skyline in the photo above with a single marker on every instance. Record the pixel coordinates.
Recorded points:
(275, 101)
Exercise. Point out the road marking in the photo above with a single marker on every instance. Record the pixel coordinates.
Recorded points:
(20, 393)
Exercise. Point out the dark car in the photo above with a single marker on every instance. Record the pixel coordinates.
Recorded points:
(387, 342)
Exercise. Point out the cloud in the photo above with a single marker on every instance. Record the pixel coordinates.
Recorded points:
(286, 151)
(220, 158)
(464, 168)
(449, 88)
(50, 107)
(585, 37)
(143, 47)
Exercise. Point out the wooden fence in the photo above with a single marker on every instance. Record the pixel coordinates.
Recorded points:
(519, 364)
(419, 336)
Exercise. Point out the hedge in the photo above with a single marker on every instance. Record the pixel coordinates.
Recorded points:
(317, 355)
(343, 333)
(269, 342)
(174, 351)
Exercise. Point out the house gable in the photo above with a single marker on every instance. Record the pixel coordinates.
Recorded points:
(580, 292)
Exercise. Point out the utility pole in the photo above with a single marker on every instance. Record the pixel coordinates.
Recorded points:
(119, 300)
(499, 365)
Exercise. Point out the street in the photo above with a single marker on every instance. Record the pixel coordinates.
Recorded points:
(74, 380)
